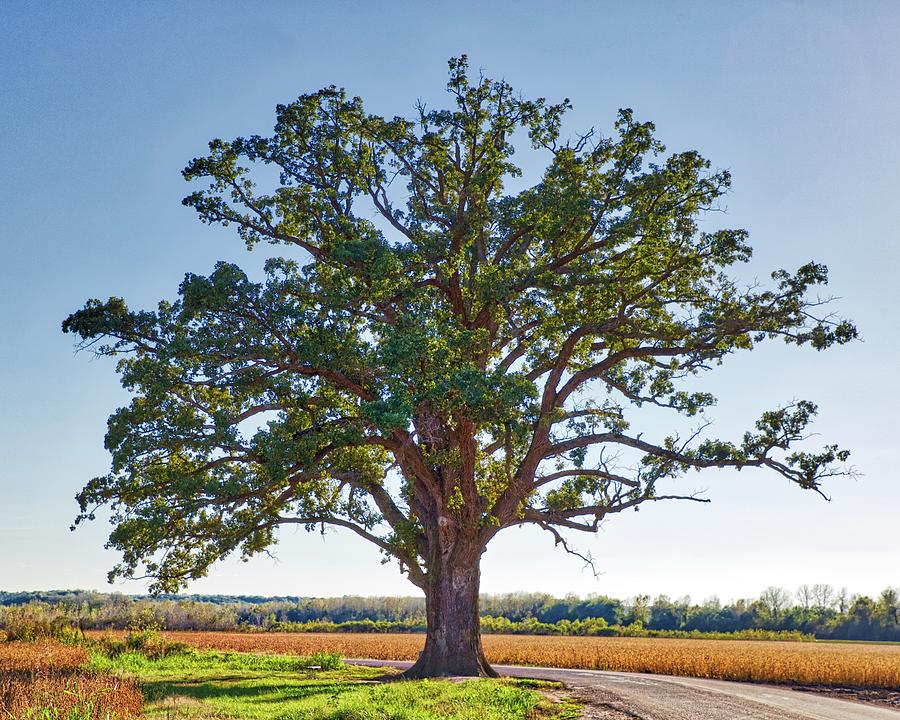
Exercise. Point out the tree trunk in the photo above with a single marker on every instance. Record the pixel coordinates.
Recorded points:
(453, 638)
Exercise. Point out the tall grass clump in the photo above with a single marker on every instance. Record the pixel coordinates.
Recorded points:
(148, 643)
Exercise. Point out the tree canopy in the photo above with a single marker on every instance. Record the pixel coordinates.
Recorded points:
(437, 357)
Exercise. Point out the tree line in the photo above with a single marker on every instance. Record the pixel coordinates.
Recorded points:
(819, 611)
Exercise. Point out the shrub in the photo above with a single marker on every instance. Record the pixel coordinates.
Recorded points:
(147, 642)
(38, 622)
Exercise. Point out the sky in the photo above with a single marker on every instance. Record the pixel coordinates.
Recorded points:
(102, 105)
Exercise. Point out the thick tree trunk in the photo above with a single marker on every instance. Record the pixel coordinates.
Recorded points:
(453, 639)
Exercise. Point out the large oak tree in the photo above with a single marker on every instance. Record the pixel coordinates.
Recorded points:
(439, 358)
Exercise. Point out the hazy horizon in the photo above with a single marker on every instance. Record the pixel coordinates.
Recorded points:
(688, 598)
(103, 105)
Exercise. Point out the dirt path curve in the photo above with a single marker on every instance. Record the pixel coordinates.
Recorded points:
(632, 696)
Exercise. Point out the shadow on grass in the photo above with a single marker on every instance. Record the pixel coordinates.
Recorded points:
(256, 691)
(519, 682)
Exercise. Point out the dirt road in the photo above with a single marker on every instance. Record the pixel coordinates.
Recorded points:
(630, 696)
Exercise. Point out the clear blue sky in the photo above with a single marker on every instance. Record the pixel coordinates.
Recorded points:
(102, 104)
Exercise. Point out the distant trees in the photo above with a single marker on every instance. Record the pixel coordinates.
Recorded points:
(843, 600)
(664, 614)
(829, 613)
(823, 597)
(775, 601)
(805, 596)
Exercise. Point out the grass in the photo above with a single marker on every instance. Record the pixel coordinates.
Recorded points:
(139, 664)
(283, 687)
(51, 681)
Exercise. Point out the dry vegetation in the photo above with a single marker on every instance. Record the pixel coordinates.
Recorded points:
(40, 657)
(830, 664)
(46, 680)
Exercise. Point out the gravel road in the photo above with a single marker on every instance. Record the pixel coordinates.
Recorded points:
(631, 696)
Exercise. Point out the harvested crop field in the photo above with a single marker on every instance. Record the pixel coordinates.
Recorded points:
(48, 680)
(40, 656)
(805, 663)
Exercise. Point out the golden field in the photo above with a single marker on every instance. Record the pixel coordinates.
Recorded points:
(46, 679)
(806, 663)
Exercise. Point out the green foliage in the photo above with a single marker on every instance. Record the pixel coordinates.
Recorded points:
(421, 367)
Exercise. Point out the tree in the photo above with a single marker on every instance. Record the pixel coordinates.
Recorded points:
(775, 602)
(824, 597)
(843, 601)
(424, 369)
(639, 610)
(863, 617)
(805, 598)
(664, 614)
(889, 607)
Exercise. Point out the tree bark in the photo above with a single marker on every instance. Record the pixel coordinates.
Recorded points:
(453, 637)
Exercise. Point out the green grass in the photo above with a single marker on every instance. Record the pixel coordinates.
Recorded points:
(218, 685)
(85, 711)
(136, 663)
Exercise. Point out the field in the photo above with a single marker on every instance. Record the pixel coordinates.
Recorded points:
(266, 676)
(48, 681)
(806, 663)
(108, 681)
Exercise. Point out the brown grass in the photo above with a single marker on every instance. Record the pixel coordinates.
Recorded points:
(807, 663)
(48, 677)
(40, 656)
